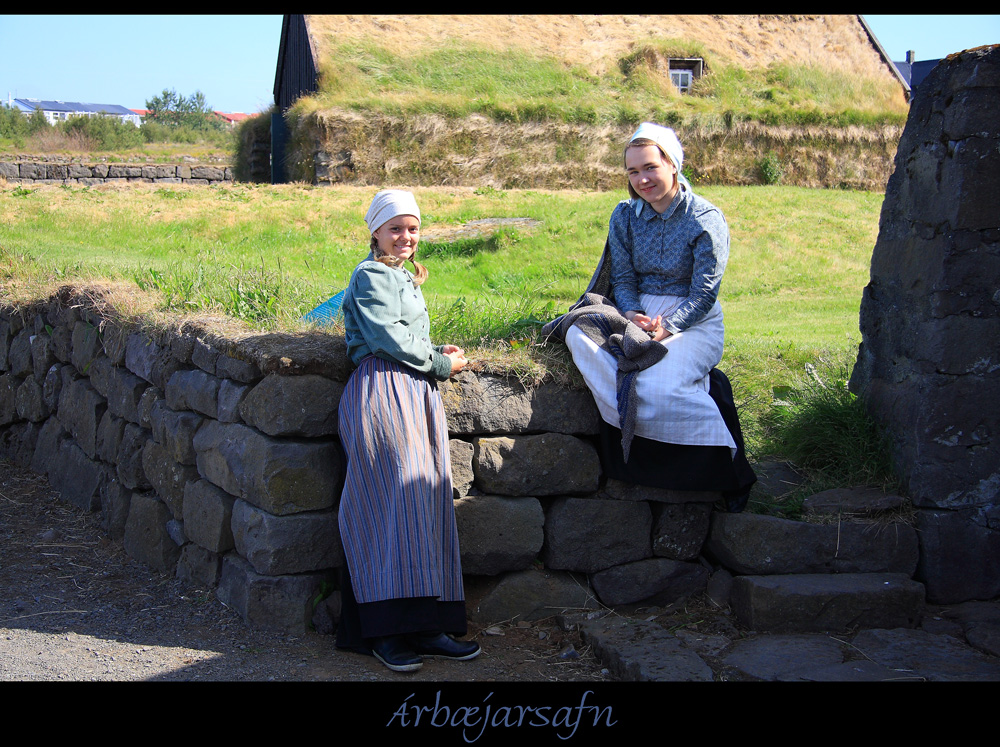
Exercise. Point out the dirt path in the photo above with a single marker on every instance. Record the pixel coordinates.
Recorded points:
(75, 607)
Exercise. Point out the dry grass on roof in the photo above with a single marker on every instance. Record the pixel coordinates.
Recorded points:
(835, 42)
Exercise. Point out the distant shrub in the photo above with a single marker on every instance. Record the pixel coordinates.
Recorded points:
(770, 169)
(106, 133)
(154, 132)
(37, 122)
(13, 124)
(183, 112)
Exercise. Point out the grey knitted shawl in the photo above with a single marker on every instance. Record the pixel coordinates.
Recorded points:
(596, 315)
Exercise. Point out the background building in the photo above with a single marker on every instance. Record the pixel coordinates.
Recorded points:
(58, 111)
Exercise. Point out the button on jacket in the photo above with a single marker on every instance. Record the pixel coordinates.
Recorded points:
(385, 315)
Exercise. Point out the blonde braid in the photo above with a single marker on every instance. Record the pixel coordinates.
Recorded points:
(419, 271)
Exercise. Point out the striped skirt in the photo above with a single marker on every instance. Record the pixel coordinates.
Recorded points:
(397, 516)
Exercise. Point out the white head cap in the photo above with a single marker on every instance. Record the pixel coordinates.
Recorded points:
(667, 140)
(389, 203)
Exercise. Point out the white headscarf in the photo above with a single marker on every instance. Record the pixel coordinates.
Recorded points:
(667, 140)
(389, 203)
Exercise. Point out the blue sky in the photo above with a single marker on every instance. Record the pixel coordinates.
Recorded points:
(232, 58)
(129, 59)
(933, 37)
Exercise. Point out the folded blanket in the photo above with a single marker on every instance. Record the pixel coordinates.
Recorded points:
(600, 320)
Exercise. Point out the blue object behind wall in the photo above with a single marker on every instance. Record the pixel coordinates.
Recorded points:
(327, 312)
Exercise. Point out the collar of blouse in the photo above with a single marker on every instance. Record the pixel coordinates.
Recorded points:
(650, 214)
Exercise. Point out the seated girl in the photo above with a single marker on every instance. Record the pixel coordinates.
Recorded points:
(648, 333)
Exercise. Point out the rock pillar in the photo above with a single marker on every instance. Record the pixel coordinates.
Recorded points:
(929, 363)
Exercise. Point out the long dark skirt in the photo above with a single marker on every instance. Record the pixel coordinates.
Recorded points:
(681, 467)
(397, 517)
(360, 622)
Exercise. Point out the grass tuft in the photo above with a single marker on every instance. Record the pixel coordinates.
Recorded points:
(823, 428)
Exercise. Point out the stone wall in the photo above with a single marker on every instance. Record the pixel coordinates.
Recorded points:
(216, 458)
(87, 174)
(929, 363)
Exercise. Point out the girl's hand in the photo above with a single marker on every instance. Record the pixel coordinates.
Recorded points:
(644, 322)
(457, 355)
(661, 333)
(653, 327)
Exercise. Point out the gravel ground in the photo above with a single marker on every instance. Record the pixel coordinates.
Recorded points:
(75, 607)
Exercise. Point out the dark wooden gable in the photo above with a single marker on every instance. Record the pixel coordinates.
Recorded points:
(296, 73)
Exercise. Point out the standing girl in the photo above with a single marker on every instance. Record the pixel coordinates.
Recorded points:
(402, 585)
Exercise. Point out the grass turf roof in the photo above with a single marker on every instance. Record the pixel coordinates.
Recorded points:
(834, 42)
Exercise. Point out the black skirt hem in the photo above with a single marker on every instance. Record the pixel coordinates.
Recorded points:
(360, 622)
(682, 466)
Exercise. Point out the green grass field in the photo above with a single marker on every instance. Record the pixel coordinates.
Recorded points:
(269, 253)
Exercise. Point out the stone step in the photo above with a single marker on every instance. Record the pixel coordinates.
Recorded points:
(824, 602)
(933, 658)
(754, 544)
(801, 657)
(855, 501)
(643, 651)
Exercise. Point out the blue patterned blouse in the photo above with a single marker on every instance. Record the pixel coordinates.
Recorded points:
(681, 252)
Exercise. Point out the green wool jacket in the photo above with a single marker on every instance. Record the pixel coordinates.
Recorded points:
(385, 315)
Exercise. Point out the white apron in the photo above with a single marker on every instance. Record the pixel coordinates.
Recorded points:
(673, 401)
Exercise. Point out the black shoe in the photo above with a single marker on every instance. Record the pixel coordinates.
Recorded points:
(396, 653)
(442, 645)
